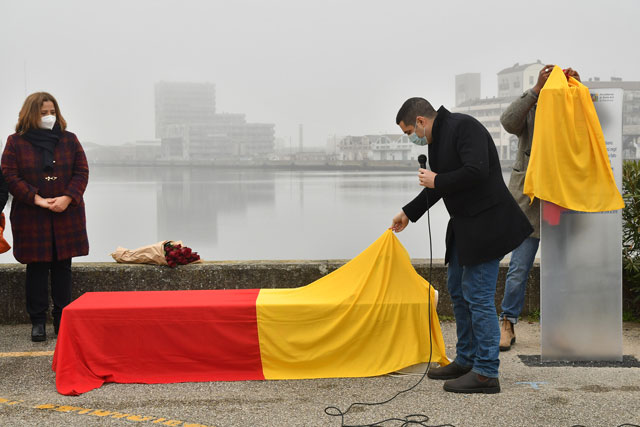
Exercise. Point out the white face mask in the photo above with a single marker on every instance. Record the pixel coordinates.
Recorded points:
(47, 122)
(416, 139)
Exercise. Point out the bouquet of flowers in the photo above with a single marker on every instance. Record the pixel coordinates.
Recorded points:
(167, 252)
(176, 254)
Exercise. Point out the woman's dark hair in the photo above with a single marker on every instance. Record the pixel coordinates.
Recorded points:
(29, 117)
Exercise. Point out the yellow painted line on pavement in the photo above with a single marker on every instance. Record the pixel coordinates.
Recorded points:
(93, 412)
(27, 354)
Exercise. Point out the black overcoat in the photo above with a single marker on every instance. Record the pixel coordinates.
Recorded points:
(485, 220)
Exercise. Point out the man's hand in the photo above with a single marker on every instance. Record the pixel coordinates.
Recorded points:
(59, 204)
(543, 75)
(427, 178)
(399, 222)
(570, 72)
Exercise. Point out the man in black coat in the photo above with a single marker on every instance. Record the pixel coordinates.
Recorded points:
(485, 224)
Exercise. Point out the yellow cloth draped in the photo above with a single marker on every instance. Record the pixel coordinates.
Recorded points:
(569, 165)
(367, 318)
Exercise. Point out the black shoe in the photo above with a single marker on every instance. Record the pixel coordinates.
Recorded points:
(38, 332)
(473, 383)
(451, 371)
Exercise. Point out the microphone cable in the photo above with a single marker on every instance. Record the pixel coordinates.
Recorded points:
(411, 419)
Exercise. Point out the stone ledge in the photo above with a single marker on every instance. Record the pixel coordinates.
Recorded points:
(111, 276)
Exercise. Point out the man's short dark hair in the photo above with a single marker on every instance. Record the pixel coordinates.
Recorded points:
(412, 108)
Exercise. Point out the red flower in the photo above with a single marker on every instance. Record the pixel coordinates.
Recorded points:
(179, 255)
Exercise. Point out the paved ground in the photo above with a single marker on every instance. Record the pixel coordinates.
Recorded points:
(531, 396)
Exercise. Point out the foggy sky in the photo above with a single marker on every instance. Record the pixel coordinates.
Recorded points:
(337, 67)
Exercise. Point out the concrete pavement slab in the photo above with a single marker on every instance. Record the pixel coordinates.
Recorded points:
(531, 396)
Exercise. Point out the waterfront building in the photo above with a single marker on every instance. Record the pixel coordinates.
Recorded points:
(190, 129)
(258, 140)
(488, 112)
(352, 148)
(467, 87)
(389, 147)
(148, 150)
(181, 103)
(384, 147)
(512, 82)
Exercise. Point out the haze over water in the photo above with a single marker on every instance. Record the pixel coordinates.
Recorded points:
(251, 214)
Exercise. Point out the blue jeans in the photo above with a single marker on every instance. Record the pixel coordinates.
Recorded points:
(473, 289)
(515, 286)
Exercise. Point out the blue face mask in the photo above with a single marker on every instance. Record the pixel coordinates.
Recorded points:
(416, 139)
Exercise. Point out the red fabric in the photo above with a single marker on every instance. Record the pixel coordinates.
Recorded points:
(551, 213)
(34, 228)
(157, 337)
(4, 245)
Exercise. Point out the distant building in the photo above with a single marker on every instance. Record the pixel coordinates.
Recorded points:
(353, 148)
(245, 139)
(630, 112)
(195, 142)
(390, 147)
(488, 112)
(190, 129)
(180, 103)
(311, 156)
(258, 140)
(332, 144)
(148, 150)
(514, 80)
(385, 147)
(467, 87)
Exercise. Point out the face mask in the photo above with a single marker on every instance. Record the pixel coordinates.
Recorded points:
(47, 122)
(416, 139)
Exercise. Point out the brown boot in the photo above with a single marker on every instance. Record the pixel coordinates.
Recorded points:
(507, 335)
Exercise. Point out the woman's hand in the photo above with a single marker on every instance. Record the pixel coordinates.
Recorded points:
(59, 204)
(42, 202)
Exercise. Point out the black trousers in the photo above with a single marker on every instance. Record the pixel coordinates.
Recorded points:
(38, 286)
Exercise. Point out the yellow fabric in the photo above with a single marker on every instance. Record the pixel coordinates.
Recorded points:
(569, 165)
(367, 318)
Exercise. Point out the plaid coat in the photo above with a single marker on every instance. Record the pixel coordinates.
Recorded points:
(34, 228)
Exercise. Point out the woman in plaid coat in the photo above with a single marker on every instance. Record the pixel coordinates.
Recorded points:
(46, 170)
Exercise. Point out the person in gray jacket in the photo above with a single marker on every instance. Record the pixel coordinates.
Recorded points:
(518, 119)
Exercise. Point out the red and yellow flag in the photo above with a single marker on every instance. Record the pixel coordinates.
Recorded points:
(369, 317)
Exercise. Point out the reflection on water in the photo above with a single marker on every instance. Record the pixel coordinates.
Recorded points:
(251, 214)
(190, 202)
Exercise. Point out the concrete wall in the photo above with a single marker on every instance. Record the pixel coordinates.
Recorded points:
(108, 277)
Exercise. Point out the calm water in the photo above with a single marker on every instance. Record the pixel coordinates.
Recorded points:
(251, 214)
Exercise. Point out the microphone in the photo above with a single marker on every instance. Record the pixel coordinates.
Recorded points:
(422, 159)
